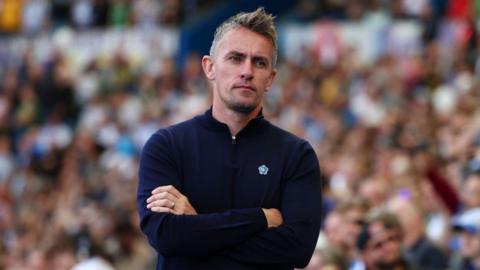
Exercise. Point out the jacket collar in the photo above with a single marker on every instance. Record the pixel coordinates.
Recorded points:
(209, 121)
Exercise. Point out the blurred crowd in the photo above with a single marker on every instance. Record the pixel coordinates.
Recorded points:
(399, 147)
(398, 142)
(32, 17)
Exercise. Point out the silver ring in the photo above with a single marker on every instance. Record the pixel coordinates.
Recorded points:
(173, 205)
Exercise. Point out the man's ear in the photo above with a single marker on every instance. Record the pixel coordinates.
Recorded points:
(270, 80)
(208, 68)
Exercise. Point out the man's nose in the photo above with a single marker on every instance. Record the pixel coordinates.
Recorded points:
(247, 71)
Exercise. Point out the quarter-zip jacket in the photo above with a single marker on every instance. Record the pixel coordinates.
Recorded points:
(228, 180)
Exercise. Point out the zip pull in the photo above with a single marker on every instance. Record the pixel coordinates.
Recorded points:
(234, 139)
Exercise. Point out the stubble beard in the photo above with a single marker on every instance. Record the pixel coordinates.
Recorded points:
(239, 107)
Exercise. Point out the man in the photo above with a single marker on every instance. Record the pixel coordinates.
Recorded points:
(342, 226)
(470, 191)
(467, 225)
(380, 243)
(227, 189)
(416, 246)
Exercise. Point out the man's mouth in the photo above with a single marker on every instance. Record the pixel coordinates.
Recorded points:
(249, 87)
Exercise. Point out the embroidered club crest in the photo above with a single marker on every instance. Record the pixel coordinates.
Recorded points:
(263, 170)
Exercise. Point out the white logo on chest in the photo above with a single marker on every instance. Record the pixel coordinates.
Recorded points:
(262, 169)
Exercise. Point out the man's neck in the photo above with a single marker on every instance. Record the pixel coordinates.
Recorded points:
(235, 121)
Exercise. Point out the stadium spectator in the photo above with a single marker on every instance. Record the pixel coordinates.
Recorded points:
(417, 247)
(467, 225)
(380, 243)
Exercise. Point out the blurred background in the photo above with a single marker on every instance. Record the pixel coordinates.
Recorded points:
(387, 92)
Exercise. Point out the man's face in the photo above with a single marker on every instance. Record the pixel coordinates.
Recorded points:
(471, 192)
(334, 229)
(470, 245)
(353, 218)
(241, 70)
(383, 250)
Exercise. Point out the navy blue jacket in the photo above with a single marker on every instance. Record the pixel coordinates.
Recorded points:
(228, 181)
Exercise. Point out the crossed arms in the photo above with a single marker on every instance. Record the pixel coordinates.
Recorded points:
(167, 199)
(284, 236)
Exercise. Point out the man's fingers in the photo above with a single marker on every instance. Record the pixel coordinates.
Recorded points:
(274, 217)
(160, 209)
(161, 196)
(170, 189)
(161, 203)
(168, 197)
(159, 189)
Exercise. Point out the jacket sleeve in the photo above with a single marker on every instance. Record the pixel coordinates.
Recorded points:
(186, 235)
(291, 244)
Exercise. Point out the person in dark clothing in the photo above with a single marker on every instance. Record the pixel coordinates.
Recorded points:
(380, 243)
(467, 227)
(416, 246)
(227, 189)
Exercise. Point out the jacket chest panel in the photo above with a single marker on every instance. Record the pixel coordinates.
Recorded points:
(226, 176)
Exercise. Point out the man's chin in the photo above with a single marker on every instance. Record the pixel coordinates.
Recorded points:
(243, 108)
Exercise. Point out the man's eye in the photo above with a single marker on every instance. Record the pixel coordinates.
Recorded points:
(261, 63)
(235, 58)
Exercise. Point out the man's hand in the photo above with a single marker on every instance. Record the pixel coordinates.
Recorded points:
(274, 217)
(167, 199)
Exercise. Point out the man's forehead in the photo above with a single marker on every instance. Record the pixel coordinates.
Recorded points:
(243, 40)
(242, 31)
(247, 53)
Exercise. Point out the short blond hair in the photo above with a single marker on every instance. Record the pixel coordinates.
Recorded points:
(257, 21)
